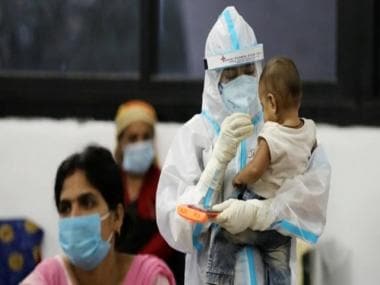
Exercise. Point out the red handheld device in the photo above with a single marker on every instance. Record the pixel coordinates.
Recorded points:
(196, 214)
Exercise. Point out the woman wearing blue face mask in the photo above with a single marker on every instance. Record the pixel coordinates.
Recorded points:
(135, 154)
(88, 196)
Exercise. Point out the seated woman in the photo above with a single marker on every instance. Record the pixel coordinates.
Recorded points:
(135, 153)
(89, 199)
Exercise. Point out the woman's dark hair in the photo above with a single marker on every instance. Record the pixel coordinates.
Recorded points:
(100, 169)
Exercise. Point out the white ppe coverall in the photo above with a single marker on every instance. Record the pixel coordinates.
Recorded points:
(299, 206)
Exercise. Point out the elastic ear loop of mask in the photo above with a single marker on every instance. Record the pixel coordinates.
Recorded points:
(104, 217)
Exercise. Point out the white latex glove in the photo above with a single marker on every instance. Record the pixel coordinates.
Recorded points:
(234, 129)
(238, 215)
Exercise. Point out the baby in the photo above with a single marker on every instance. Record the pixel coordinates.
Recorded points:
(286, 141)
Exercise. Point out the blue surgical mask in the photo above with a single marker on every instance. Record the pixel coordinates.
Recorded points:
(240, 94)
(81, 240)
(138, 157)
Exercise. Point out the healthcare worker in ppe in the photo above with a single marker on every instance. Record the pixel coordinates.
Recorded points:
(213, 146)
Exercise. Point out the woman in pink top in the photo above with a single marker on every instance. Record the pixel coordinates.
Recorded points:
(89, 199)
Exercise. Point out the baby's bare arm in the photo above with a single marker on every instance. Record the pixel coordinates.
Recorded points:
(256, 167)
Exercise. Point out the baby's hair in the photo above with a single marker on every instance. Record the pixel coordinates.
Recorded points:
(281, 78)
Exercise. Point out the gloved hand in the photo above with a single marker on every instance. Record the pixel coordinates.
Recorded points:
(238, 215)
(235, 128)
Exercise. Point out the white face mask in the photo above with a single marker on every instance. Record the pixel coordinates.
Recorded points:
(240, 95)
(138, 157)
